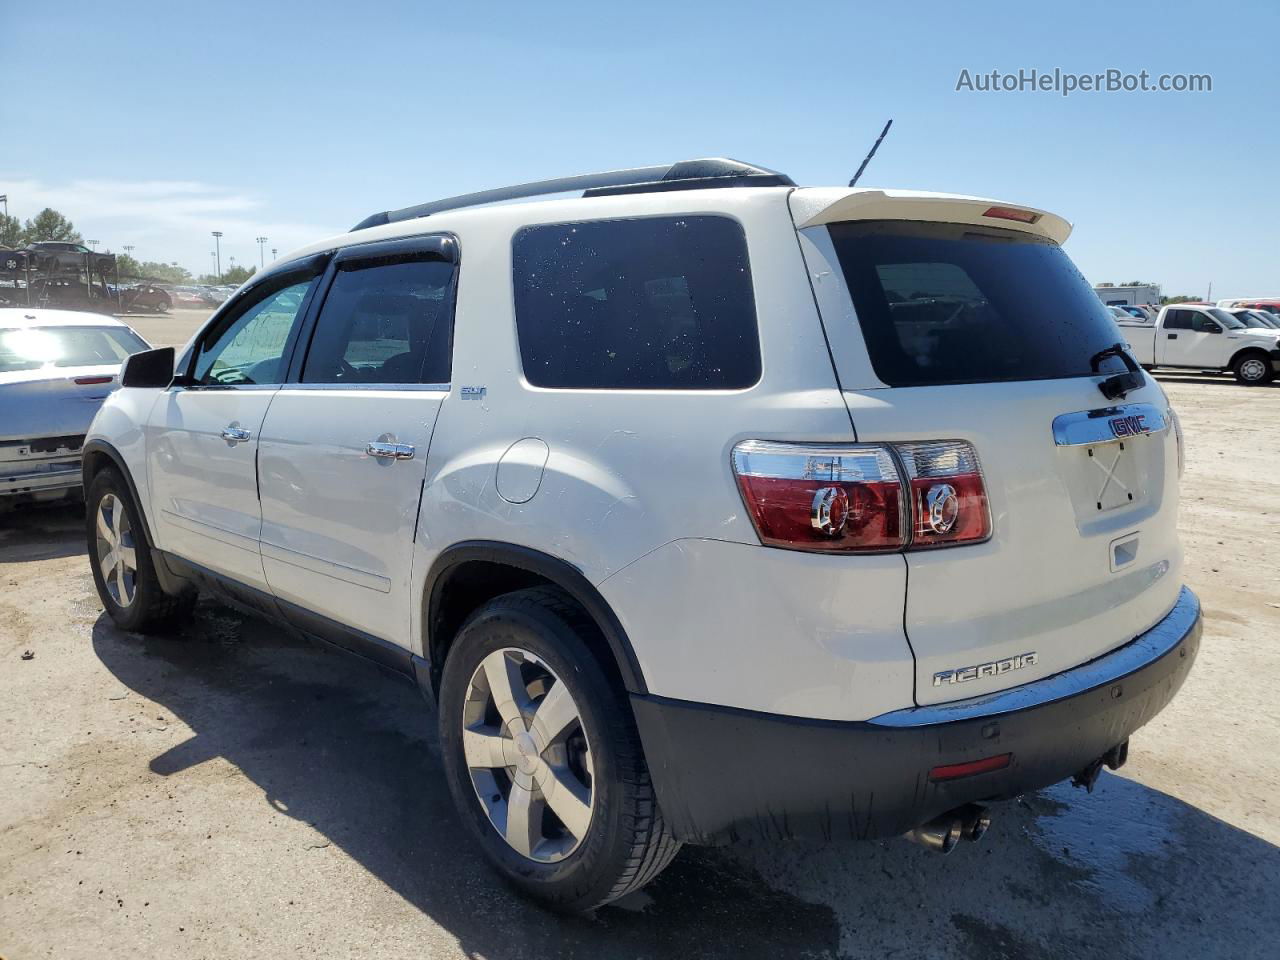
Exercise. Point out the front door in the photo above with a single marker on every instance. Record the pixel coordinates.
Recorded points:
(343, 451)
(1192, 339)
(202, 437)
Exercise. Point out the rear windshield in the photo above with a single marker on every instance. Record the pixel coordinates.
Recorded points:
(30, 348)
(951, 303)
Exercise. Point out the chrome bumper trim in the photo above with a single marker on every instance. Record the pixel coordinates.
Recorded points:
(1119, 663)
(54, 476)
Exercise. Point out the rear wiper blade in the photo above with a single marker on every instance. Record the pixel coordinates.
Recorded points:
(1116, 387)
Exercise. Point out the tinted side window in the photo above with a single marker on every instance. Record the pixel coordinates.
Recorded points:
(645, 304)
(248, 347)
(1203, 324)
(385, 321)
(1178, 320)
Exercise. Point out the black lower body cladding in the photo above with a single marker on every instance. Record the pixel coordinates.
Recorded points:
(723, 774)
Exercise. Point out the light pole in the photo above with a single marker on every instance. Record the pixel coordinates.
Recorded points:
(262, 252)
(217, 253)
(4, 198)
(273, 253)
(92, 243)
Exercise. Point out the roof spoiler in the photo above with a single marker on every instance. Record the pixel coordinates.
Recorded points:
(816, 207)
(684, 175)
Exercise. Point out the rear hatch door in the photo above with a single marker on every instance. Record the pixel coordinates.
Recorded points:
(967, 330)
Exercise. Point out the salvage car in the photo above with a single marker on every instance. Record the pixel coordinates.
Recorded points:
(57, 256)
(146, 296)
(56, 369)
(703, 506)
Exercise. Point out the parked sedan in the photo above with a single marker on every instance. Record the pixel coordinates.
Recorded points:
(188, 297)
(56, 368)
(146, 296)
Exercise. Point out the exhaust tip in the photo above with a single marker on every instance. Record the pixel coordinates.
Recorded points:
(975, 821)
(941, 835)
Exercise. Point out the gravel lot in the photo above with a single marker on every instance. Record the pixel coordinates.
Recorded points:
(233, 792)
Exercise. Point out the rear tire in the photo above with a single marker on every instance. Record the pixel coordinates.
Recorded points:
(613, 840)
(120, 558)
(1253, 369)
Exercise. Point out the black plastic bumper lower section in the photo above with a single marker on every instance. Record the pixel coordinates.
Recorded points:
(721, 773)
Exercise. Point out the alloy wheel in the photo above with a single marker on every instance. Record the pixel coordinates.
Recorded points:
(528, 755)
(117, 551)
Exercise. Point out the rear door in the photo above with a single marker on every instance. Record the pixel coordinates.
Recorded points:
(202, 438)
(344, 447)
(962, 332)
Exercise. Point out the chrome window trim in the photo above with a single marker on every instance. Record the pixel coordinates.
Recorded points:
(400, 387)
(1144, 650)
(1088, 427)
(202, 387)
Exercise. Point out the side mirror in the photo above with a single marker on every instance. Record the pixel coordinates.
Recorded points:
(150, 368)
(1213, 328)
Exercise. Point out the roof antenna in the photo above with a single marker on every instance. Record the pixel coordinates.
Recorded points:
(874, 147)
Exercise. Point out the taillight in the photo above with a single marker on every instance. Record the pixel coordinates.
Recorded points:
(843, 498)
(826, 497)
(91, 381)
(948, 498)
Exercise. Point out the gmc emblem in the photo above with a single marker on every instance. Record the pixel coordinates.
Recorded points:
(1130, 426)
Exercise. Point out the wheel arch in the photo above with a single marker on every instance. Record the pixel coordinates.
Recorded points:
(98, 454)
(1261, 352)
(476, 571)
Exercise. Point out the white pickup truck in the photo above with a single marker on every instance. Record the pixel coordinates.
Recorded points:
(1204, 338)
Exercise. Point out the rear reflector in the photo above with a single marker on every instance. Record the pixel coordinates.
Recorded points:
(91, 381)
(854, 498)
(1011, 213)
(954, 771)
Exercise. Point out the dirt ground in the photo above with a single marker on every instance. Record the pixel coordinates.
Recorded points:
(232, 792)
(172, 329)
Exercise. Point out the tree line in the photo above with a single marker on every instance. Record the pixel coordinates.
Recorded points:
(49, 224)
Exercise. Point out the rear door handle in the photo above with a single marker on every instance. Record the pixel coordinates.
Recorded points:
(390, 451)
(234, 434)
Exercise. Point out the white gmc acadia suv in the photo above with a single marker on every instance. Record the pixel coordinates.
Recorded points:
(704, 506)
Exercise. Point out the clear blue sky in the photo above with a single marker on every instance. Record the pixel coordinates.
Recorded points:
(153, 123)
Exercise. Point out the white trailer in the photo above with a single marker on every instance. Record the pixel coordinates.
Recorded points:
(1129, 296)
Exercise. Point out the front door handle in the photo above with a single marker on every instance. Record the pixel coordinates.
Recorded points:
(1173, 336)
(390, 451)
(233, 434)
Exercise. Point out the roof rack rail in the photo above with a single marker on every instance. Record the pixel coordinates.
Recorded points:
(684, 175)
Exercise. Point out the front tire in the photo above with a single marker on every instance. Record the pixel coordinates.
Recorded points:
(543, 758)
(120, 558)
(1253, 369)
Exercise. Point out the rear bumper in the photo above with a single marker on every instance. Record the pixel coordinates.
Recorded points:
(722, 773)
